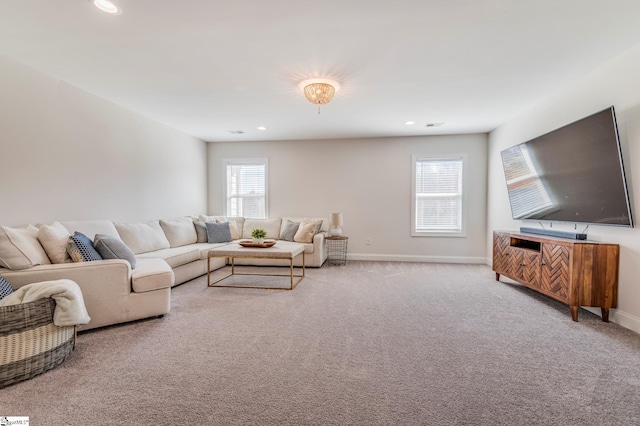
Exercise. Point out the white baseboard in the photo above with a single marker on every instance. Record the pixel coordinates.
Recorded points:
(617, 316)
(415, 258)
(624, 319)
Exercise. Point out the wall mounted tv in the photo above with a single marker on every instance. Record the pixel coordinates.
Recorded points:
(572, 174)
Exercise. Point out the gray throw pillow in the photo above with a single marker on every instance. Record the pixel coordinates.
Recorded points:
(5, 288)
(201, 232)
(218, 232)
(289, 230)
(114, 248)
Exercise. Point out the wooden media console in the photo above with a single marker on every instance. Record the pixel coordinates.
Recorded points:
(575, 272)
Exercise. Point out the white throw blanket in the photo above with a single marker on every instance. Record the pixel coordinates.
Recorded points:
(70, 309)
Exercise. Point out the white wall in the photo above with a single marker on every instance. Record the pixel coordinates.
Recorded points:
(615, 83)
(369, 180)
(69, 155)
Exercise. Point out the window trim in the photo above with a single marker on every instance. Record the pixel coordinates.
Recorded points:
(463, 202)
(245, 161)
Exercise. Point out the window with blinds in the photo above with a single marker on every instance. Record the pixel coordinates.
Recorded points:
(246, 188)
(437, 207)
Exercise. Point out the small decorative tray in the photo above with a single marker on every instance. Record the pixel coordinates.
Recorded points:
(249, 243)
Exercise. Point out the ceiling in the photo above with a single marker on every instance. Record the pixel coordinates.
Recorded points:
(209, 67)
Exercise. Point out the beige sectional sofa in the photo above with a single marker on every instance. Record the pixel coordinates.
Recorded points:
(167, 253)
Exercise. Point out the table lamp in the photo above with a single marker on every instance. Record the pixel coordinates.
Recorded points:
(336, 223)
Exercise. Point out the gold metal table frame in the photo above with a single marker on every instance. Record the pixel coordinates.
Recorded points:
(236, 251)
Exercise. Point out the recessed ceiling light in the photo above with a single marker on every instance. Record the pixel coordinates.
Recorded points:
(409, 123)
(262, 128)
(107, 6)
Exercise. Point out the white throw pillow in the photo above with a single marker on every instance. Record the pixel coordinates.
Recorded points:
(143, 237)
(307, 230)
(179, 232)
(20, 248)
(54, 239)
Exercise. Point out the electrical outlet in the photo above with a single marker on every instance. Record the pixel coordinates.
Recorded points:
(368, 241)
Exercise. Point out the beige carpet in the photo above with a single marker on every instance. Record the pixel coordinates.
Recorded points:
(371, 343)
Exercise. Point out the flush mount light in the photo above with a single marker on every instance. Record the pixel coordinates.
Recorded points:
(319, 91)
(409, 123)
(107, 6)
(262, 128)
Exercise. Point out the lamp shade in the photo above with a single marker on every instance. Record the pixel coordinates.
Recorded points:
(336, 219)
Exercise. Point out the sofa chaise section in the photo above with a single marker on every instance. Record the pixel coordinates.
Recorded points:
(113, 292)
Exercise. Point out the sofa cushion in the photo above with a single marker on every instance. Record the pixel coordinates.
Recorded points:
(203, 249)
(201, 232)
(271, 226)
(114, 248)
(180, 231)
(5, 288)
(91, 227)
(308, 248)
(218, 232)
(54, 239)
(289, 230)
(308, 228)
(20, 248)
(175, 256)
(143, 237)
(151, 274)
(81, 249)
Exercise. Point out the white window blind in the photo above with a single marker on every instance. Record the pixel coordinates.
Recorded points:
(437, 195)
(246, 188)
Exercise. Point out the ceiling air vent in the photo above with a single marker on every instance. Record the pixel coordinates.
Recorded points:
(236, 132)
(434, 124)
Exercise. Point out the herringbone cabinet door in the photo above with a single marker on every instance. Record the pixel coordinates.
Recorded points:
(555, 270)
(501, 258)
(531, 268)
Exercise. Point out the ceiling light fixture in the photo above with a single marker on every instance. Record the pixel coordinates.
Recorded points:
(107, 6)
(409, 123)
(262, 128)
(319, 91)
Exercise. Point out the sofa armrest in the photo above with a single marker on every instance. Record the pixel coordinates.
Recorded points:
(96, 273)
(105, 285)
(319, 240)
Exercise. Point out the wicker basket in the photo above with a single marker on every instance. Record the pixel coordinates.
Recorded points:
(30, 343)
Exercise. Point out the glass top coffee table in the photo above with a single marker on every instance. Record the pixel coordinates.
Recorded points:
(234, 251)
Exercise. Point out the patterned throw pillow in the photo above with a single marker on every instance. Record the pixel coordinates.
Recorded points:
(218, 232)
(114, 248)
(81, 249)
(5, 288)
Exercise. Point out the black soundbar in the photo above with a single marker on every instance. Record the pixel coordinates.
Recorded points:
(553, 233)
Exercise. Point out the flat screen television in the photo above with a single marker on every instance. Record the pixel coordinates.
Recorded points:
(572, 174)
